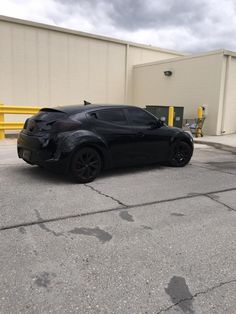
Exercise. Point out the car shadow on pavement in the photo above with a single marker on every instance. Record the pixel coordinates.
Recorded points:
(40, 174)
(54, 176)
(130, 170)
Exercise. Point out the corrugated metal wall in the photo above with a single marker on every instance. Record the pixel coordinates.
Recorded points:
(41, 66)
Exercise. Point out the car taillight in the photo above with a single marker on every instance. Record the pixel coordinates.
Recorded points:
(63, 126)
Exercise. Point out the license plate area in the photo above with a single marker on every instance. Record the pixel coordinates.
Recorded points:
(26, 154)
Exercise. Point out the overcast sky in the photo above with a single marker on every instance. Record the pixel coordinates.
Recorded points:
(183, 25)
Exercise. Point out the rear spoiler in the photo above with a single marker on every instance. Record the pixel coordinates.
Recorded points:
(87, 103)
(52, 110)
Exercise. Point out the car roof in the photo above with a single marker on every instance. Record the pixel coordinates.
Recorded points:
(72, 109)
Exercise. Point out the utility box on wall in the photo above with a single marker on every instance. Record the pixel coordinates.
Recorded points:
(161, 112)
(178, 116)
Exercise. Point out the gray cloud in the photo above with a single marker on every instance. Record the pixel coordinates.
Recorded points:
(191, 26)
(133, 15)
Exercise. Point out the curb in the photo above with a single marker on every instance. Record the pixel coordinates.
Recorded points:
(227, 148)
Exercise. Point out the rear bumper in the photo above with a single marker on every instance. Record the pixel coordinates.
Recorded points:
(40, 150)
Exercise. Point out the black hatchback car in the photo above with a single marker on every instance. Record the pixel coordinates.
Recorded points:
(83, 140)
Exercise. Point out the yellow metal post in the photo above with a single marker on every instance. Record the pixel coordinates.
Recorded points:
(171, 116)
(199, 121)
(199, 112)
(2, 132)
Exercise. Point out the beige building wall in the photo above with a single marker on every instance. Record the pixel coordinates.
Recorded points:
(137, 55)
(196, 80)
(43, 65)
(46, 65)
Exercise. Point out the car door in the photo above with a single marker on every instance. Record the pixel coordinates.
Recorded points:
(152, 139)
(112, 125)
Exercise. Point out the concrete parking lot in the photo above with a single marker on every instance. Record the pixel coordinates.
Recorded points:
(143, 240)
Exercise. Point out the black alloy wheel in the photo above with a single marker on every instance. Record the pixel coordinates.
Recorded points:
(86, 165)
(181, 154)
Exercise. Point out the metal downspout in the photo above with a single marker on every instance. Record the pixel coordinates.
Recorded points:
(225, 93)
(126, 73)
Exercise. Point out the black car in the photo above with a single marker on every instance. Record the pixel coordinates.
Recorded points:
(83, 140)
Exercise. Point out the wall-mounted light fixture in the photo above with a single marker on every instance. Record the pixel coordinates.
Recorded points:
(167, 73)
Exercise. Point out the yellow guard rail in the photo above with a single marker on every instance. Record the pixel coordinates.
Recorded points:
(13, 110)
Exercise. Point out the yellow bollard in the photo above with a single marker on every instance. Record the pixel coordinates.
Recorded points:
(199, 121)
(2, 132)
(171, 116)
(199, 112)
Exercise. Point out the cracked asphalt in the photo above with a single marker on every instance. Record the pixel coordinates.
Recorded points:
(142, 240)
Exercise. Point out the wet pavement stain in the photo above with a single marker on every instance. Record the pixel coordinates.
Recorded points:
(102, 235)
(177, 214)
(126, 216)
(178, 290)
(44, 279)
(146, 227)
(22, 230)
(44, 227)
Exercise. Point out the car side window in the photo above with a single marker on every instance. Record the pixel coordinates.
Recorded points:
(139, 117)
(116, 116)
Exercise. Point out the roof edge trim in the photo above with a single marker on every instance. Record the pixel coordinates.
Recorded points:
(84, 34)
(182, 58)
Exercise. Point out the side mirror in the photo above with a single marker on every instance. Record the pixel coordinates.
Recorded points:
(156, 124)
(153, 125)
(160, 123)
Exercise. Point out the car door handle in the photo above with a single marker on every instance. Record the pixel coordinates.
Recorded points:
(140, 134)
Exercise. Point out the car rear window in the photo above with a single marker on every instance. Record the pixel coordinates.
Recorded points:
(46, 115)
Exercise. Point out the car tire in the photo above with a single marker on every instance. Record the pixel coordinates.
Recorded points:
(181, 153)
(85, 165)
